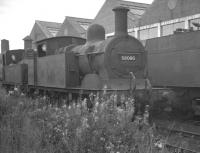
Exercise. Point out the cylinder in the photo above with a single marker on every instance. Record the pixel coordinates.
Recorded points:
(121, 20)
(4, 45)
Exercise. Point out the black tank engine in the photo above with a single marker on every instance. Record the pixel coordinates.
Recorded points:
(70, 63)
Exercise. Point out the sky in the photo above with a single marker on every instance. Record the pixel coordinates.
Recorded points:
(17, 17)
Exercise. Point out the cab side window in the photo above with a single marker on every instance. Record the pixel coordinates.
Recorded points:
(41, 49)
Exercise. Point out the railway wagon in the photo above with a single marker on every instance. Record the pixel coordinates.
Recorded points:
(173, 62)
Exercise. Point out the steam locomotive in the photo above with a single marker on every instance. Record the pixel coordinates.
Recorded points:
(70, 64)
(120, 63)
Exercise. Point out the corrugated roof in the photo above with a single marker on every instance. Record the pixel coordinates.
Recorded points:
(74, 26)
(105, 17)
(132, 5)
(163, 10)
(80, 24)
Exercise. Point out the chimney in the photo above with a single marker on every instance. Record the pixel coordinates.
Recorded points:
(4, 45)
(27, 43)
(121, 21)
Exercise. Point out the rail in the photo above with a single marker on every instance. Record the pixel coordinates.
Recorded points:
(183, 132)
(180, 149)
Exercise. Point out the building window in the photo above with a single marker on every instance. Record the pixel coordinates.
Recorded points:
(153, 32)
(53, 31)
(148, 33)
(167, 30)
(194, 24)
(85, 27)
(132, 33)
(178, 25)
(143, 34)
(170, 28)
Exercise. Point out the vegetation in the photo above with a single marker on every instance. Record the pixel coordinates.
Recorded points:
(34, 126)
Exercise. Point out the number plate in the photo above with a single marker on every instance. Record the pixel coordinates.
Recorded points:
(128, 58)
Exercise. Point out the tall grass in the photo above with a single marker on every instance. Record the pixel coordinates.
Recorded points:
(32, 126)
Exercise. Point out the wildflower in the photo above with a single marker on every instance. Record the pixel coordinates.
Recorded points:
(16, 89)
(78, 132)
(97, 98)
(91, 96)
(85, 123)
(66, 132)
(56, 108)
(78, 109)
(21, 103)
(64, 106)
(84, 103)
(122, 98)
(115, 98)
(96, 104)
(102, 139)
(159, 145)
(10, 93)
(109, 145)
(96, 118)
(57, 129)
(74, 105)
(44, 98)
(22, 94)
(101, 107)
(136, 149)
(105, 89)
(120, 110)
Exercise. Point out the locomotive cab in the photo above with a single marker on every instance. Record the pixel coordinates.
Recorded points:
(50, 46)
(42, 49)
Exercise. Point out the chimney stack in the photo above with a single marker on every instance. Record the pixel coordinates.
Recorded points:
(121, 20)
(27, 43)
(4, 45)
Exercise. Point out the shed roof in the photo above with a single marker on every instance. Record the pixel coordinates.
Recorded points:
(50, 29)
(73, 26)
(163, 10)
(105, 17)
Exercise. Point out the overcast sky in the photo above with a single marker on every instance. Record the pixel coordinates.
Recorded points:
(17, 17)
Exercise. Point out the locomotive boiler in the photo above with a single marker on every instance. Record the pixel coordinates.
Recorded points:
(111, 62)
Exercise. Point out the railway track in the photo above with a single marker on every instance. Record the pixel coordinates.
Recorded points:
(184, 134)
(178, 149)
